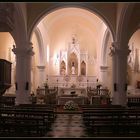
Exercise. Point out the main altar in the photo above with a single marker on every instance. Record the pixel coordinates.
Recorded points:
(77, 99)
(75, 94)
(71, 77)
(71, 87)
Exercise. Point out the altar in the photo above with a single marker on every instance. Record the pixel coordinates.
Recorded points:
(77, 99)
(69, 91)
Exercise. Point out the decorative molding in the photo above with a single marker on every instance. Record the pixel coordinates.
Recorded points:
(6, 17)
(115, 50)
(23, 51)
(79, 78)
(104, 68)
(41, 67)
(67, 78)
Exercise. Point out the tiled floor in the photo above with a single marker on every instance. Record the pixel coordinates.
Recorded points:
(67, 125)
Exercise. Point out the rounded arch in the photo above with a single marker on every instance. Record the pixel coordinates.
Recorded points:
(40, 46)
(132, 32)
(104, 48)
(72, 62)
(18, 23)
(134, 25)
(7, 20)
(122, 35)
(52, 9)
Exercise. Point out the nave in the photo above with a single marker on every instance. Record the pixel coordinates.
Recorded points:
(67, 125)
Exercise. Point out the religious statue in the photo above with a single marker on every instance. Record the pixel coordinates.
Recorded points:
(63, 70)
(73, 68)
(98, 86)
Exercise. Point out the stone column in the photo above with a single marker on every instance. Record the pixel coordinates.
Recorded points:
(23, 73)
(114, 66)
(104, 78)
(42, 75)
(119, 71)
(12, 89)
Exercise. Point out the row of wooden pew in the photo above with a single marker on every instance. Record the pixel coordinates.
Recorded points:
(26, 120)
(133, 102)
(111, 120)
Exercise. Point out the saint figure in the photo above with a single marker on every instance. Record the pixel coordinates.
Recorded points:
(73, 68)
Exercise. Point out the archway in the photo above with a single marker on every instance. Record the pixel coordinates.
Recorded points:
(73, 64)
(134, 61)
(6, 53)
(83, 68)
(89, 45)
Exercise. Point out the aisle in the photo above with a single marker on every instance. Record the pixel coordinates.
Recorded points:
(67, 125)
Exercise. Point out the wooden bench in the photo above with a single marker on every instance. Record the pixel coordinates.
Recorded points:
(27, 121)
(115, 121)
(133, 102)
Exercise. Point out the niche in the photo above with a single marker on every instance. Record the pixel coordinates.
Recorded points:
(63, 68)
(83, 68)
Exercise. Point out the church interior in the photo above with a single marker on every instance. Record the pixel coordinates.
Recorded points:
(69, 69)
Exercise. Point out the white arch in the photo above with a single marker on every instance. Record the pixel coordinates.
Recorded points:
(19, 23)
(104, 48)
(74, 5)
(122, 26)
(40, 46)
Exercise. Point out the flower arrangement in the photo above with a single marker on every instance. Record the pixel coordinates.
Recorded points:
(70, 105)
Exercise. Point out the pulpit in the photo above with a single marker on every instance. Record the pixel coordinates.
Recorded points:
(5, 76)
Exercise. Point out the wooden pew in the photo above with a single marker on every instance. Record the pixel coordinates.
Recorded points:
(113, 121)
(28, 121)
(133, 102)
(41, 107)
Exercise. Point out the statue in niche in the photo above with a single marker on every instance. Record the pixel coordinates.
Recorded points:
(73, 68)
(63, 68)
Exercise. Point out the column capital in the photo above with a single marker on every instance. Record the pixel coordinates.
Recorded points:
(41, 67)
(113, 48)
(117, 50)
(103, 68)
(23, 51)
(115, 44)
(124, 52)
